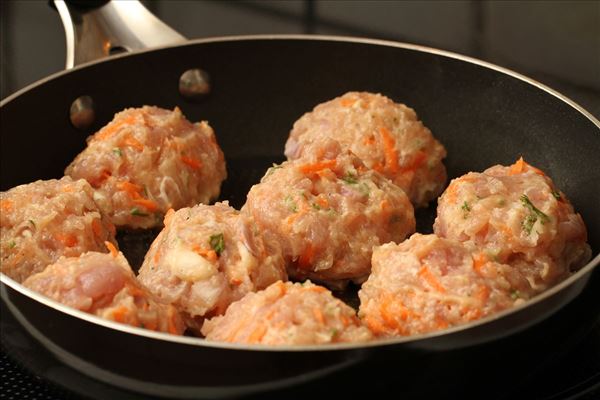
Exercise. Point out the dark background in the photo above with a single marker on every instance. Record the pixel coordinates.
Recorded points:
(555, 42)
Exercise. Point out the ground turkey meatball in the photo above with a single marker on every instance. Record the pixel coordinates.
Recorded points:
(428, 283)
(44, 220)
(207, 257)
(515, 215)
(328, 211)
(147, 160)
(386, 136)
(288, 314)
(104, 284)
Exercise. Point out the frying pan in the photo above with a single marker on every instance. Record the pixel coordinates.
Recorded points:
(259, 85)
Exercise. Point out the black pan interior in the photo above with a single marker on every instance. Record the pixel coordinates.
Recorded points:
(261, 86)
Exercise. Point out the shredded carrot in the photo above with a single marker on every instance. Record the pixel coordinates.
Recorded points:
(521, 166)
(68, 189)
(132, 189)
(119, 314)
(317, 166)
(235, 281)
(257, 334)
(479, 261)
(345, 320)
(375, 326)
(483, 293)
(133, 142)
(148, 204)
(6, 205)
(322, 201)
(307, 257)
(210, 255)
(426, 274)
(318, 315)
(317, 289)
(97, 227)
(113, 250)
(369, 140)
(113, 128)
(348, 102)
(68, 240)
(440, 322)
(418, 160)
(192, 162)
(389, 148)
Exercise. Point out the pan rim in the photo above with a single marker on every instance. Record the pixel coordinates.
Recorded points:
(587, 269)
(324, 38)
(381, 342)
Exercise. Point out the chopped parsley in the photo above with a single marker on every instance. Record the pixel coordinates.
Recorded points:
(136, 211)
(334, 332)
(290, 204)
(466, 209)
(556, 194)
(271, 169)
(217, 243)
(12, 244)
(534, 215)
(32, 222)
(364, 189)
(117, 151)
(350, 178)
(515, 294)
(316, 206)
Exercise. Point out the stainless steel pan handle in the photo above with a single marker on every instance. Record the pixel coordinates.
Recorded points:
(114, 26)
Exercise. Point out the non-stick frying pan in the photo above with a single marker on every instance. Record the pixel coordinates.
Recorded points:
(259, 85)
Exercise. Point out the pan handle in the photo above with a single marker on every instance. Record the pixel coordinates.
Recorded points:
(113, 27)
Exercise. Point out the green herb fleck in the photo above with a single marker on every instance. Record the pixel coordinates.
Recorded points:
(12, 244)
(217, 243)
(136, 211)
(515, 294)
(534, 215)
(117, 151)
(271, 169)
(334, 332)
(290, 204)
(364, 189)
(350, 178)
(316, 206)
(556, 194)
(32, 222)
(466, 209)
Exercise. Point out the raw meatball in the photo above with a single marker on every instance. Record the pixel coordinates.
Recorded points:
(104, 285)
(428, 283)
(207, 257)
(515, 215)
(328, 211)
(386, 136)
(288, 314)
(44, 220)
(148, 160)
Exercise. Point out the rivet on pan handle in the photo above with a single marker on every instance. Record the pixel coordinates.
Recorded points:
(114, 26)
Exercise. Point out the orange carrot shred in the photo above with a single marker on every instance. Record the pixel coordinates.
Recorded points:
(306, 258)
(97, 227)
(6, 205)
(113, 128)
(132, 189)
(426, 274)
(133, 142)
(521, 166)
(172, 327)
(318, 315)
(68, 240)
(113, 250)
(192, 162)
(316, 167)
(119, 314)
(148, 204)
(210, 255)
(257, 334)
(389, 148)
(348, 102)
(479, 261)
